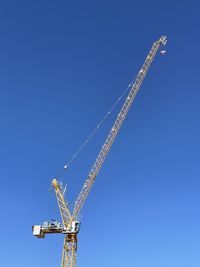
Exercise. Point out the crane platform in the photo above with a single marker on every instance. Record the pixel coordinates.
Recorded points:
(54, 227)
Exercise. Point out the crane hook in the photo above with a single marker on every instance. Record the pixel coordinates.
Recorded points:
(163, 52)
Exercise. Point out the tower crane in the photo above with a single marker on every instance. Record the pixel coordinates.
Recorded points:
(70, 224)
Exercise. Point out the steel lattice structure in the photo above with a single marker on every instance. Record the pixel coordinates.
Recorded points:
(70, 223)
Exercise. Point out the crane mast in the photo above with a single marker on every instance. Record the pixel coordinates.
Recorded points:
(71, 225)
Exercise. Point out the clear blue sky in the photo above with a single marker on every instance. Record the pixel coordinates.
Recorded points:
(62, 65)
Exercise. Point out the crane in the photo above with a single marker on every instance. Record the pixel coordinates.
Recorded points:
(70, 224)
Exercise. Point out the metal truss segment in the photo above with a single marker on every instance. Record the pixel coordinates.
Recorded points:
(69, 251)
(114, 131)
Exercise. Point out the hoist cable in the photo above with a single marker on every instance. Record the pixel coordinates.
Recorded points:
(67, 164)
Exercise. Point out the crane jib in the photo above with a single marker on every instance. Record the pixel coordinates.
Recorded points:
(113, 132)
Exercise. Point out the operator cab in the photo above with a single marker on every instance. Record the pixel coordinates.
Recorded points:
(74, 228)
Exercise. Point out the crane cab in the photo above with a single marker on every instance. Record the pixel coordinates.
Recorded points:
(74, 228)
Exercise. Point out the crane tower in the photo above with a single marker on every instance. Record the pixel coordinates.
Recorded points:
(70, 224)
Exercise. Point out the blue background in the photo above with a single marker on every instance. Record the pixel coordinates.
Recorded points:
(62, 66)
